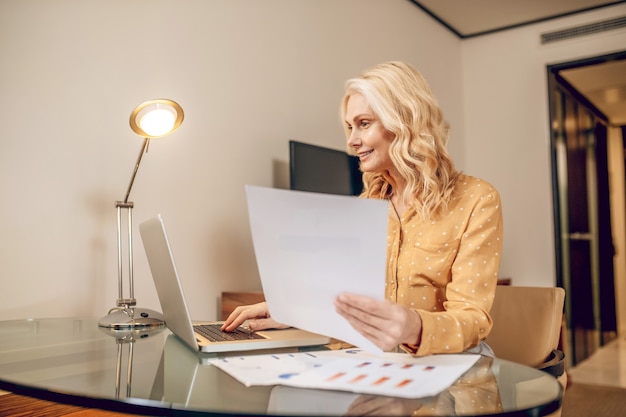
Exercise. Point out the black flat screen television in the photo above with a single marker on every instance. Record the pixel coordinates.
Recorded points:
(323, 170)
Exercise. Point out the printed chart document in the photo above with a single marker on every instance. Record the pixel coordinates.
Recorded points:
(310, 247)
(354, 370)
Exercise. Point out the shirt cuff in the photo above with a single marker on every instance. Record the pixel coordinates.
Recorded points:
(412, 349)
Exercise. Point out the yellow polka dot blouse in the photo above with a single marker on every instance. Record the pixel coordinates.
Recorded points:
(447, 269)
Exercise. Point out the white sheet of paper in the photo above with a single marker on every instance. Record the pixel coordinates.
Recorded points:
(401, 376)
(310, 247)
(353, 370)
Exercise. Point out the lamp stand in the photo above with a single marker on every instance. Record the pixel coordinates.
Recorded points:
(126, 338)
(126, 315)
(129, 367)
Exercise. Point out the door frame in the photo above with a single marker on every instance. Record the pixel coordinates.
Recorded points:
(556, 81)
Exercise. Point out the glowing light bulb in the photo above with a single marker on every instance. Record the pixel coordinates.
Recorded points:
(156, 118)
(158, 122)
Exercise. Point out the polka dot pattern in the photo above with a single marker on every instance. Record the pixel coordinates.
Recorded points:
(447, 269)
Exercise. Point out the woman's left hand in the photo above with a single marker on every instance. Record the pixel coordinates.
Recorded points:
(384, 323)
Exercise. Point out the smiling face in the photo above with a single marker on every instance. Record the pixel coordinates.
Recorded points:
(367, 138)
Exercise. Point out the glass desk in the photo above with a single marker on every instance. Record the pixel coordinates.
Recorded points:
(73, 361)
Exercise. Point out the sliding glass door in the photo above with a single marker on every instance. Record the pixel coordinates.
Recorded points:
(582, 219)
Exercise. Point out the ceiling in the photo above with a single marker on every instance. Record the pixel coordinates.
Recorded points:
(603, 84)
(478, 17)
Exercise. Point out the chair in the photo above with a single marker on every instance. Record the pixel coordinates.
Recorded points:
(527, 324)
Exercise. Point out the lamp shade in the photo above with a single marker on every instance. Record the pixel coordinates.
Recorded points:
(156, 118)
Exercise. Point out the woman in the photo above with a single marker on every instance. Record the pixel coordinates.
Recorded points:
(445, 228)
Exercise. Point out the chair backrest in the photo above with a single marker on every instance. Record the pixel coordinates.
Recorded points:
(526, 323)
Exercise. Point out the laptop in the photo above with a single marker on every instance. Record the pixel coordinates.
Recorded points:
(205, 336)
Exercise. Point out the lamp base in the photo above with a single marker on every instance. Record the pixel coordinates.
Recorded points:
(132, 318)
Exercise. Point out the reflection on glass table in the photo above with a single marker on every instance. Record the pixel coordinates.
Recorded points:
(76, 362)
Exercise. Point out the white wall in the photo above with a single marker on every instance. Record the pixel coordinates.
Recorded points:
(250, 76)
(507, 137)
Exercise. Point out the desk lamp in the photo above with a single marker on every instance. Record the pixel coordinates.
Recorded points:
(127, 338)
(151, 119)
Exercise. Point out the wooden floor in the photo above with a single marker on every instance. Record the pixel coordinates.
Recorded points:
(606, 366)
(588, 400)
(13, 405)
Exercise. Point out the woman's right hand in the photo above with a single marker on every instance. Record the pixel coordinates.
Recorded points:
(258, 316)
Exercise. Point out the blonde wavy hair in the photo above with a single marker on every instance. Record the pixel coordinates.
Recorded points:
(403, 102)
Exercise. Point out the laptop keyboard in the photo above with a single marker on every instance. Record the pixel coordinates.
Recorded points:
(213, 333)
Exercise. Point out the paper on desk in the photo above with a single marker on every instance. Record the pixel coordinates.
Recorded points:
(310, 247)
(354, 370)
